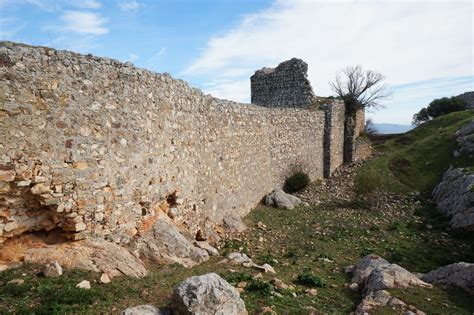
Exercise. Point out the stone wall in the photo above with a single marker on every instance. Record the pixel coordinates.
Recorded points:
(96, 148)
(334, 136)
(286, 85)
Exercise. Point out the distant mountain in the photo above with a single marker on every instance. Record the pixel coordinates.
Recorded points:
(392, 128)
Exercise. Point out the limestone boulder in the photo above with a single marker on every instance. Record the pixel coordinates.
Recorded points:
(93, 254)
(165, 243)
(207, 294)
(146, 309)
(53, 270)
(465, 138)
(454, 197)
(234, 223)
(280, 199)
(459, 274)
(373, 273)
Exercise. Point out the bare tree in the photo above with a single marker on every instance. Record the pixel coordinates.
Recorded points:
(359, 89)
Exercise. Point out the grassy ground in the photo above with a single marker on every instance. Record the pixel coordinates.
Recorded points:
(417, 160)
(307, 246)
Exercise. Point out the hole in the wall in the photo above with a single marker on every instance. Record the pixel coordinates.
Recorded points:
(171, 200)
(200, 236)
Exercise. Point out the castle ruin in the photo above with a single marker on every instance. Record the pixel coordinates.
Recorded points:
(95, 150)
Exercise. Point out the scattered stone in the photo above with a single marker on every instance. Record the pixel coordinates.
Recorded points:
(265, 268)
(239, 258)
(146, 309)
(207, 294)
(84, 284)
(207, 247)
(53, 270)
(459, 274)
(311, 292)
(104, 278)
(16, 281)
(465, 138)
(280, 199)
(242, 284)
(279, 284)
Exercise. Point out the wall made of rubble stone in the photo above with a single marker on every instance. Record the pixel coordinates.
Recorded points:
(92, 146)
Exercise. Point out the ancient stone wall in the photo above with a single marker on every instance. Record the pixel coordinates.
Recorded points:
(94, 147)
(333, 136)
(286, 85)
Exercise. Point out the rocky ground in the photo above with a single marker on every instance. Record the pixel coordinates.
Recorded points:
(289, 261)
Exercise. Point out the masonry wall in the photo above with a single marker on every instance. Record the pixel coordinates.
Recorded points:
(284, 86)
(333, 136)
(92, 146)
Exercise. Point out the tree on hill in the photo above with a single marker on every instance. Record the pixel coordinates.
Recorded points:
(359, 89)
(439, 107)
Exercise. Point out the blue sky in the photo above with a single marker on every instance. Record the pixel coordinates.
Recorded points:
(424, 48)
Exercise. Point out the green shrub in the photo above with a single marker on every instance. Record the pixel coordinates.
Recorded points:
(236, 277)
(368, 182)
(296, 182)
(262, 287)
(309, 279)
(439, 107)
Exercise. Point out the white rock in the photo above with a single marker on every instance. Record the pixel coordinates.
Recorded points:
(53, 270)
(84, 284)
(104, 278)
(280, 199)
(207, 294)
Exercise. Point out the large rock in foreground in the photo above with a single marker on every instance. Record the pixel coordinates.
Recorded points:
(460, 274)
(207, 294)
(280, 199)
(465, 138)
(373, 273)
(454, 197)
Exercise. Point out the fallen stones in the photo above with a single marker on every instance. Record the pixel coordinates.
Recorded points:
(84, 284)
(244, 260)
(280, 199)
(207, 294)
(164, 243)
(459, 274)
(234, 223)
(16, 281)
(104, 278)
(454, 197)
(207, 247)
(146, 309)
(373, 273)
(53, 270)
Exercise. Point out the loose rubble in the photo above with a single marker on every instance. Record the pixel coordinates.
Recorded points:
(280, 199)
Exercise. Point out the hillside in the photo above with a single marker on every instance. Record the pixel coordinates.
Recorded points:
(314, 242)
(417, 159)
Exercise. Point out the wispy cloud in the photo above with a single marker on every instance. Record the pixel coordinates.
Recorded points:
(83, 22)
(9, 27)
(87, 4)
(405, 40)
(130, 5)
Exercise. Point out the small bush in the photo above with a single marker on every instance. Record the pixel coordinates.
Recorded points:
(262, 287)
(368, 182)
(309, 279)
(296, 182)
(237, 277)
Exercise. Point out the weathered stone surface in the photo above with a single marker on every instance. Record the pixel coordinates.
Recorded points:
(91, 254)
(373, 273)
(110, 143)
(465, 138)
(234, 224)
(164, 243)
(146, 309)
(280, 199)
(454, 197)
(207, 294)
(459, 274)
(53, 270)
(84, 284)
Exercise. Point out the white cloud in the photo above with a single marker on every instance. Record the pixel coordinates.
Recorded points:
(130, 5)
(406, 41)
(87, 4)
(84, 22)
